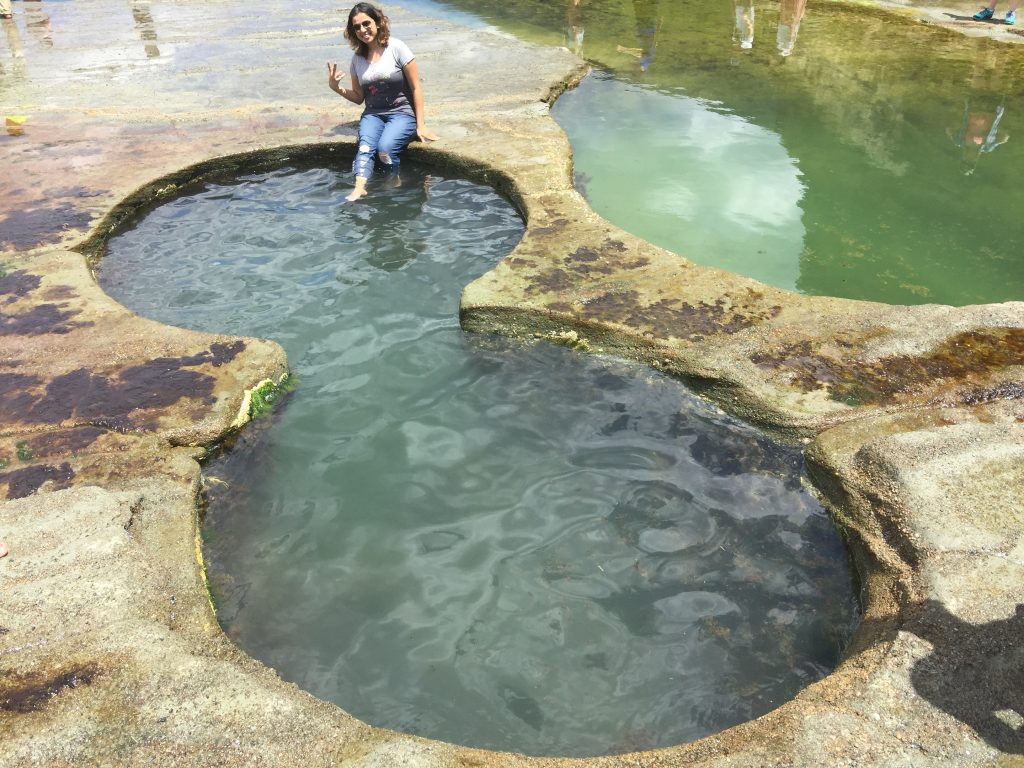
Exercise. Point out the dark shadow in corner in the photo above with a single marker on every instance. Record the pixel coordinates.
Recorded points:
(974, 672)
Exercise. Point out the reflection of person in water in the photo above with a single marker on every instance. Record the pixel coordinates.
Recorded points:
(978, 133)
(38, 23)
(574, 27)
(17, 70)
(144, 27)
(744, 30)
(790, 14)
(393, 254)
(648, 24)
(980, 130)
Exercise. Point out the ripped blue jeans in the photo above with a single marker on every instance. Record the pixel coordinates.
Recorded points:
(382, 137)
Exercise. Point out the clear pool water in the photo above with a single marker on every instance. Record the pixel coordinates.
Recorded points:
(830, 148)
(498, 544)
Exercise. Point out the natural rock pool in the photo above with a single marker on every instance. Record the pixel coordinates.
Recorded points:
(833, 149)
(502, 545)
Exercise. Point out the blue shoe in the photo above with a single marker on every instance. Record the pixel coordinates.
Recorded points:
(984, 14)
(1011, 18)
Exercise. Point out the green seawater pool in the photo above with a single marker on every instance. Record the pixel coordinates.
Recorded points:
(828, 148)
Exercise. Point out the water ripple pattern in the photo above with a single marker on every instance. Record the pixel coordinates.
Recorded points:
(502, 545)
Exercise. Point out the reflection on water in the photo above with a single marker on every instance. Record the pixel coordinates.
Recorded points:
(900, 136)
(464, 537)
(145, 27)
(989, 86)
(716, 183)
(790, 14)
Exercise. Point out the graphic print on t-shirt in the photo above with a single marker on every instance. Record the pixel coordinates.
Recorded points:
(383, 82)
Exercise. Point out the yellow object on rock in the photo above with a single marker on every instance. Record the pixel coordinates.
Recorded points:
(16, 124)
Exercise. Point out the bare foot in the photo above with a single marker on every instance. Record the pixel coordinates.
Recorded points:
(355, 194)
(3, 548)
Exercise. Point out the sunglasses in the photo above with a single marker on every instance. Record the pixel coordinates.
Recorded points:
(362, 25)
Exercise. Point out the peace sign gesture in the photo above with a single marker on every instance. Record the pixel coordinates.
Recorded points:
(334, 77)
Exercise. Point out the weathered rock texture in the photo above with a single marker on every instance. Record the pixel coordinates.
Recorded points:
(109, 650)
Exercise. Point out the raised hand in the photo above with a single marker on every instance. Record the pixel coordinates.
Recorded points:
(334, 77)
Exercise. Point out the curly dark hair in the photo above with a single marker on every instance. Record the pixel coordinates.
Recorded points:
(383, 27)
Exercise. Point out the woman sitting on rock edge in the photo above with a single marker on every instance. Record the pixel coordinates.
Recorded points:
(385, 76)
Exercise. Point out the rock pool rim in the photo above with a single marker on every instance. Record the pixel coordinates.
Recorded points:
(905, 471)
(873, 586)
(124, 215)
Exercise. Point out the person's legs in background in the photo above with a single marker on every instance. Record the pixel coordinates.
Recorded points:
(989, 11)
(1011, 15)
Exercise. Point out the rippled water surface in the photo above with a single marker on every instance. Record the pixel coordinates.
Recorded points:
(497, 544)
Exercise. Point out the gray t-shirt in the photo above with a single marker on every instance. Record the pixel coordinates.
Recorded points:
(385, 90)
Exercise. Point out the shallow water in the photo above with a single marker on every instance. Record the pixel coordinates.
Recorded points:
(497, 544)
(878, 159)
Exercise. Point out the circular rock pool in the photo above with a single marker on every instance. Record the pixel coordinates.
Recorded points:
(504, 545)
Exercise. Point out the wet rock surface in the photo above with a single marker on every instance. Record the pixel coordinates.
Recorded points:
(110, 653)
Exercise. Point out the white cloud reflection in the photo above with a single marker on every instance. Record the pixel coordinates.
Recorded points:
(701, 182)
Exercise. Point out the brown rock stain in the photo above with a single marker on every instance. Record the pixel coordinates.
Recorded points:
(33, 226)
(42, 319)
(583, 254)
(27, 480)
(553, 281)
(23, 694)
(1009, 390)
(59, 293)
(62, 443)
(969, 356)
(109, 401)
(584, 262)
(17, 284)
(15, 394)
(676, 318)
(555, 227)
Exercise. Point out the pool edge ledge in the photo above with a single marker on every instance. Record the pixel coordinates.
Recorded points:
(110, 651)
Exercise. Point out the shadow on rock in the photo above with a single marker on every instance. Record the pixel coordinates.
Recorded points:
(969, 17)
(975, 672)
